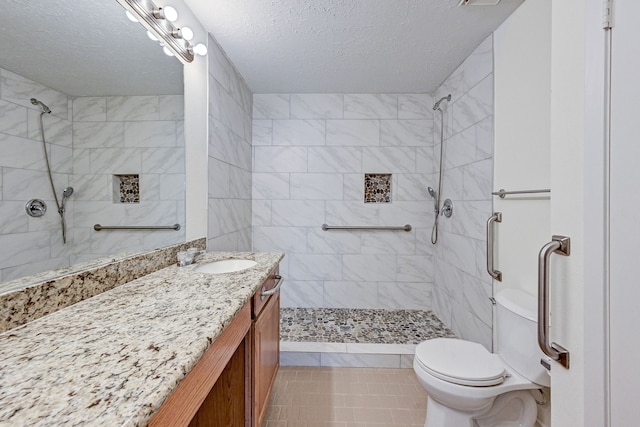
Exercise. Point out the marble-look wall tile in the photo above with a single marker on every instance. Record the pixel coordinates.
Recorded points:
(374, 268)
(298, 213)
(90, 109)
(19, 90)
(360, 360)
(150, 134)
(280, 159)
(298, 132)
(20, 152)
(414, 268)
(270, 106)
(58, 130)
(171, 107)
(98, 134)
(260, 212)
(413, 133)
(415, 106)
(316, 186)
(334, 159)
(262, 131)
(132, 108)
(352, 213)
(406, 296)
(389, 160)
(370, 106)
(342, 294)
(317, 106)
(13, 119)
(353, 132)
(315, 267)
(388, 243)
(281, 239)
(327, 242)
(270, 186)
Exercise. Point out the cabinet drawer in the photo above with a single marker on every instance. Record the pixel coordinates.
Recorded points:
(259, 300)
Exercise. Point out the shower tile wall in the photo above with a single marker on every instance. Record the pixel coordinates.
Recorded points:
(127, 135)
(31, 244)
(90, 138)
(462, 286)
(311, 152)
(229, 169)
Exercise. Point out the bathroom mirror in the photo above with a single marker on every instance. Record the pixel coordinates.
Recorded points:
(114, 135)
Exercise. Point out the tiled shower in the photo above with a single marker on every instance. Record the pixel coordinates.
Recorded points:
(312, 155)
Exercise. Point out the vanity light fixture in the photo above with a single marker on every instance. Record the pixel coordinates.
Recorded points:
(159, 24)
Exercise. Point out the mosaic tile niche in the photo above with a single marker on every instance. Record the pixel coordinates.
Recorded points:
(377, 188)
(126, 188)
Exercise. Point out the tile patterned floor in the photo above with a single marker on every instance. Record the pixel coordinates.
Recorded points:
(360, 326)
(346, 397)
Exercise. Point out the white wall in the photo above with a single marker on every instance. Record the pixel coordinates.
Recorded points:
(229, 155)
(311, 152)
(522, 147)
(462, 286)
(567, 204)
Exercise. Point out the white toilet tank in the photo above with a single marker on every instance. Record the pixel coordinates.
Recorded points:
(517, 334)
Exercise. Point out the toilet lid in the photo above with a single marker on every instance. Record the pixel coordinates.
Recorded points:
(460, 362)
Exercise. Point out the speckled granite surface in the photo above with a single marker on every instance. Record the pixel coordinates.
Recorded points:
(113, 359)
(24, 304)
(342, 325)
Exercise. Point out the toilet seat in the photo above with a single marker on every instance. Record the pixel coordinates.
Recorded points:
(460, 362)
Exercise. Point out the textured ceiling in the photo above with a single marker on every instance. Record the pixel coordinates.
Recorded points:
(361, 46)
(84, 48)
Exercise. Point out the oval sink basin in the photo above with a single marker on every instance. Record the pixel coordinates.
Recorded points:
(226, 266)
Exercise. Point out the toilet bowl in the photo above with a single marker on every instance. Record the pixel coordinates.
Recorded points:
(467, 386)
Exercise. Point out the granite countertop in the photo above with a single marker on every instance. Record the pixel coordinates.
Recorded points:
(114, 358)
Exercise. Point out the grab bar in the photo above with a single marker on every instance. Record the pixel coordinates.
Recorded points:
(560, 245)
(496, 274)
(99, 227)
(326, 227)
(502, 192)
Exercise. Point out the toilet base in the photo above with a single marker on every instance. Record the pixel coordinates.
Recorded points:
(512, 409)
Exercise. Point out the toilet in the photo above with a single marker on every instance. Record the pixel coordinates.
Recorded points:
(468, 386)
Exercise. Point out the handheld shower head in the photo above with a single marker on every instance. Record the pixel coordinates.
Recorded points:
(436, 106)
(67, 192)
(432, 192)
(45, 109)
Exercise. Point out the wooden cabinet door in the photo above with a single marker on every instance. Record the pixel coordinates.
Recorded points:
(266, 356)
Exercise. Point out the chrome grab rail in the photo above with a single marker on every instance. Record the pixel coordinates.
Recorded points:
(275, 289)
(502, 192)
(496, 274)
(560, 245)
(326, 227)
(99, 227)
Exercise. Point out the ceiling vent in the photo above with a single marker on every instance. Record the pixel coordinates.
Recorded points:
(478, 2)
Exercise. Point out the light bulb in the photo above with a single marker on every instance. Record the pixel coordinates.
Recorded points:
(167, 51)
(200, 49)
(186, 33)
(131, 17)
(151, 36)
(170, 13)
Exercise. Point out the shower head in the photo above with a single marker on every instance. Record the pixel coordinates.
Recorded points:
(436, 106)
(45, 109)
(67, 192)
(432, 192)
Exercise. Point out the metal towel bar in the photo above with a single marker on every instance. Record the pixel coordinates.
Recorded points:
(560, 245)
(502, 192)
(99, 227)
(326, 227)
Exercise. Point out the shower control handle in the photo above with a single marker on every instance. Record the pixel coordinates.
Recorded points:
(36, 208)
(496, 274)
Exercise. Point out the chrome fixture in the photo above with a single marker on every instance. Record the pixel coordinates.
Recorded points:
(560, 245)
(496, 274)
(275, 289)
(36, 208)
(158, 21)
(447, 208)
(436, 106)
(406, 227)
(503, 193)
(436, 194)
(45, 109)
(68, 191)
(99, 227)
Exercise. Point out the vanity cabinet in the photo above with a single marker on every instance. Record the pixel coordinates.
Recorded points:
(266, 345)
(231, 384)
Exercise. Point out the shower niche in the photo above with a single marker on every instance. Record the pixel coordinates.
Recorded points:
(126, 188)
